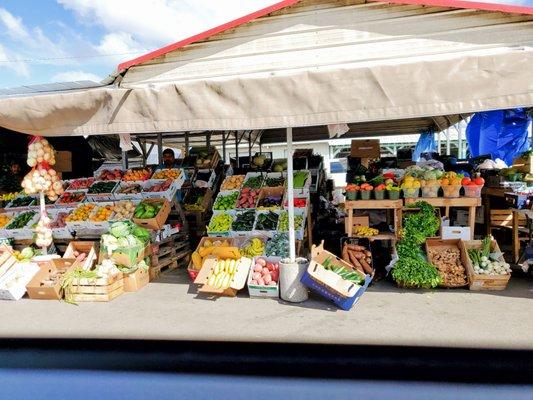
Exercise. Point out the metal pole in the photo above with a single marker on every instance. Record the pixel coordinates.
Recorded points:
(160, 148)
(459, 143)
(142, 143)
(439, 142)
(237, 148)
(250, 146)
(208, 139)
(448, 142)
(186, 144)
(290, 195)
(224, 137)
(125, 159)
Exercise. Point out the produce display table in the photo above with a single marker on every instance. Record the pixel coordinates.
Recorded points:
(462, 202)
(394, 205)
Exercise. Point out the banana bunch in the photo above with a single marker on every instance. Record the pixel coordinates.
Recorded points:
(365, 231)
(222, 274)
(254, 248)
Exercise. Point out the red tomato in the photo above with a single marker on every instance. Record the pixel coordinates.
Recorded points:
(479, 181)
(466, 181)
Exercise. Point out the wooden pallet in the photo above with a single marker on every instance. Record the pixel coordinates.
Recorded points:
(167, 265)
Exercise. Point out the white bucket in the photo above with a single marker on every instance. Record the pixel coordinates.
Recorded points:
(291, 289)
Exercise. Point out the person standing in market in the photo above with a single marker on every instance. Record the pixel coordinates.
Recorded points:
(169, 159)
(11, 180)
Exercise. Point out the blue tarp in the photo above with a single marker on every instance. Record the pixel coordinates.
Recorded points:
(426, 144)
(501, 133)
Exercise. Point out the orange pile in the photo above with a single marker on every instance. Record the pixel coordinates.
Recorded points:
(81, 213)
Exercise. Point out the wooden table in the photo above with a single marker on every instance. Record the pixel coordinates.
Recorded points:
(463, 202)
(394, 205)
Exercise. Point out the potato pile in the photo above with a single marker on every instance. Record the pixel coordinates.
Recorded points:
(448, 264)
(124, 210)
(232, 182)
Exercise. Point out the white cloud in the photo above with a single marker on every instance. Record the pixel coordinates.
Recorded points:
(156, 22)
(29, 43)
(121, 44)
(19, 67)
(14, 25)
(69, 76)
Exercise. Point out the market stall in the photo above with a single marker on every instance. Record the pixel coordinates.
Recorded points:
(355, 82)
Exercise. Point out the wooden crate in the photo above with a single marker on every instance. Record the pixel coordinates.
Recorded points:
(95, 290)
(483, 282)
(504, 218)
(441, 244)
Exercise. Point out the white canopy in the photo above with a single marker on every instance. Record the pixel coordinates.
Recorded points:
(314, 63)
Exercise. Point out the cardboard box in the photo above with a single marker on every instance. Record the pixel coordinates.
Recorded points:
(63, 161)
(456, 232)
(159, 220)
(257, 291)
(271, 192)
(110, 196)
(369, 148)
(136, 280)
(238, 282)
(126, 256)
(83, 247)
(205, 203)
(56, 267)
(312, 278)
(436, 245)
(168, 194)
(13, 283)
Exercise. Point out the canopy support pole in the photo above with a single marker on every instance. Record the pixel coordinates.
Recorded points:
(224, 137)
(237, 149)
(208, 139)
(290, 195)
(186, 143)
(439, 142)
(125, 160)
(459, 142)
(250, 146)
(160, 148)
(448, 142)
(142, 145)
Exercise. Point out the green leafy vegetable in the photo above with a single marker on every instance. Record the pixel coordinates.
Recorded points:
(412, 268)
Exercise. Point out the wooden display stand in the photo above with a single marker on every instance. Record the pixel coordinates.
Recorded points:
(394, 205)
(462, 202)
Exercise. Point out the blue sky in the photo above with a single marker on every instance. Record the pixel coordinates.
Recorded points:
(45, 41)
(59, 40)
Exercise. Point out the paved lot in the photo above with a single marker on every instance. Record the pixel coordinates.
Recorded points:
(170, 309)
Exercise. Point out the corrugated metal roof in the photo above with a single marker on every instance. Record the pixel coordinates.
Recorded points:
(31, 90)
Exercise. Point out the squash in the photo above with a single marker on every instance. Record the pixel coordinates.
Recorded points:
(197, 261)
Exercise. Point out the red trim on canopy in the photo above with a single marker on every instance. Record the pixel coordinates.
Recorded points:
(286, 3)
(474, 5)
(206, 34)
